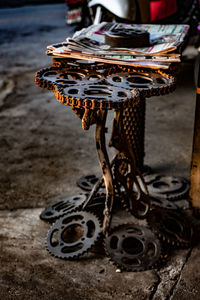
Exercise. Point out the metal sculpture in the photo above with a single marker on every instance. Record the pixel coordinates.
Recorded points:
(91, 89)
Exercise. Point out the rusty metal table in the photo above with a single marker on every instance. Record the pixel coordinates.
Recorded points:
(91, 89)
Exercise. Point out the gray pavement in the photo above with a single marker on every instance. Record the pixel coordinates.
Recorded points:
(43, 152)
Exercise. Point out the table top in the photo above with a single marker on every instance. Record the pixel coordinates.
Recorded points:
(102, 86)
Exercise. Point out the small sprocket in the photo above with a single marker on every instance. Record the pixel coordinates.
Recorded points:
(133, 248)
(171, 188)
(87, 182)
(73, 235)
(176, 227)
(60, 208)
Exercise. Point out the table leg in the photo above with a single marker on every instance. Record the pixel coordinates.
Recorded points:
(131, 179)
(195, 166)
(106, 168)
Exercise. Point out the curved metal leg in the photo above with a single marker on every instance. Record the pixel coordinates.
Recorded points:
(106, 168)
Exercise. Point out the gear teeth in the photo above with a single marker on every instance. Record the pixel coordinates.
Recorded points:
(127, 267)
(177, 187)
(87, 182)
(74, 220)
(97, 202)
(63, 207)
(187, 234)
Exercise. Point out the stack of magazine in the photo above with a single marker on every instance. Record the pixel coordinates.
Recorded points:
(89, 44)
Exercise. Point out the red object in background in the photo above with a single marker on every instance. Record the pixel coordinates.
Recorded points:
(72, 2)
(161, 9)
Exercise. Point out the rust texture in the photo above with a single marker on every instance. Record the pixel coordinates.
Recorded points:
(93, 88)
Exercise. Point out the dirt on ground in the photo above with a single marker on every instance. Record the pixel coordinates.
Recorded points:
(43, 151)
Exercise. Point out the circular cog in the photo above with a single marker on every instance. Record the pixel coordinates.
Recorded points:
(150, 83)
(133, 248)
(63, 207)
(175, 227)
(96, 95)
(164, 187)
(73, 235)
(87, 182)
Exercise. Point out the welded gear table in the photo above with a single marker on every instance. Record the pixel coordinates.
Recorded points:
(91, 89)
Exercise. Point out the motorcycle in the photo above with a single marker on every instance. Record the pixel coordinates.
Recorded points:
(147, 11)
(134, 11)
(140, 12)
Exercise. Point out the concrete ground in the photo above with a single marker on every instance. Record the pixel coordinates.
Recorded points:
(44, 151)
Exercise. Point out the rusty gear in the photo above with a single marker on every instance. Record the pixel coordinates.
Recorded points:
(63, 207)
(166, 187)
(176, 227)
(150, 83)
(73, 235)
(96, 96)
(52, 77)
(67, 79)
(133, 248)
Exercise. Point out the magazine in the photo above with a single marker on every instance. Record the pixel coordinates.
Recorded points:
(163, 38)
(89, 44)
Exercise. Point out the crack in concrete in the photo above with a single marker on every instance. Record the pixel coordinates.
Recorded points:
(155, 286)
(167, 278)
(177, 279)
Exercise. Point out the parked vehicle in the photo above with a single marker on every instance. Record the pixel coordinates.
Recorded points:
(138, 11)
(78, 13)
(145, 11)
